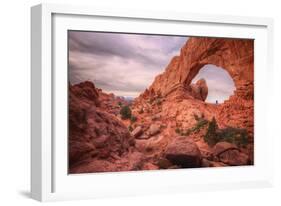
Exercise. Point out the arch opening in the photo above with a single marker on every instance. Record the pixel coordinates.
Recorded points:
(219, 82)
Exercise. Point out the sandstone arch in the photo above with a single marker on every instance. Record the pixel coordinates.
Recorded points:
(234, 55)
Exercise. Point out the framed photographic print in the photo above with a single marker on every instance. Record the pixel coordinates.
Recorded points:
(135, 102)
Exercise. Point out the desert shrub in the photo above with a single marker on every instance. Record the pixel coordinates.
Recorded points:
(229, 134)
(233, 135)
(200, 123)
(126, 112)
(130, 128)
(196, 117)
(158, 102)
(133, 118)
(178, 130)
(182, 132)
(211, 136)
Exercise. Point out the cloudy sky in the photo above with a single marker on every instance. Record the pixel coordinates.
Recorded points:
(124, 64)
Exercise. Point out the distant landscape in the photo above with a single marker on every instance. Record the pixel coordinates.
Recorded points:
(150, 102)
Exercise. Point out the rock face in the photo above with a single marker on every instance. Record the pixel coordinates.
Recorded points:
(182, 101)
(86, 92)
(236, 56)
(93, 133)
(183, 152)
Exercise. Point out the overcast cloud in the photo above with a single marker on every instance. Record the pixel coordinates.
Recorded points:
(126, 64)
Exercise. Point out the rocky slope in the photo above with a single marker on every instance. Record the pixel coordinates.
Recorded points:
(177, 102)
(97, 138)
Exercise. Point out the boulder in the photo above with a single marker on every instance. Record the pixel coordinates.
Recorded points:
(156, 117)
(234, 158)
(221, 147)
(137, 132)
(230, 154)
(183, 152)
(154, 129)
(86, 91)
(163, 163)
(199, 90)
(144, 136)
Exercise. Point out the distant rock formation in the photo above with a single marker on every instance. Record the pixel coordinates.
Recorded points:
(199, 90)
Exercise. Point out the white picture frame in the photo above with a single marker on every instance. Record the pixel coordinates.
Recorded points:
(49, 178)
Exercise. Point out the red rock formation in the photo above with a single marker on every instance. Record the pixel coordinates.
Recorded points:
(94, 134)
(229, 154)
(86, 92)
(199, 90)
(182, 101)
(234, 55)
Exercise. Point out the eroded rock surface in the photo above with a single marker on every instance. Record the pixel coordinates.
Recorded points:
(93, 133)
(199, 90)
(236, 56)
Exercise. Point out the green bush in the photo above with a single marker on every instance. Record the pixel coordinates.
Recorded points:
(133, 119)
(211, 136)
(120, 104)
(126, 112)
(200, 123)
(232, 135)
(178, 131)
(196, 117)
